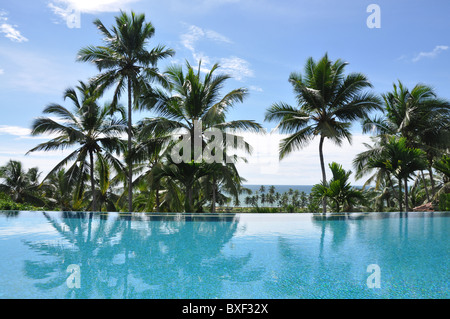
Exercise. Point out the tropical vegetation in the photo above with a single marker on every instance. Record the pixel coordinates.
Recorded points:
(183, 158)
(328, 102)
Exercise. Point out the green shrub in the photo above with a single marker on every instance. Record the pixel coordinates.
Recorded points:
(8, 204)
(444, 202)
(267, 210)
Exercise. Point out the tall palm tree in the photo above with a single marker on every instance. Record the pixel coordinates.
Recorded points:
(125, 62)
(328, 101)
(90, 127)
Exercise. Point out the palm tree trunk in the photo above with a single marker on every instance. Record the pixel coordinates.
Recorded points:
(425, 185)
(392, 187)
(94, 200)
(213, 205)
(430, 171)
(324, 176)
(406, 196)
(157, 199)
(130, 168)
(188, 199)
(400, 200)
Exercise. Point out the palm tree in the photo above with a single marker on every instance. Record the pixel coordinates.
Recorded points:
(194, 104)
(303, 199)
(107, 198)
(382, 176)
(192, 100)
(277, 198)
(443, 166)
(328, 102)
(126, 63)
(186, 174)
(90, 127)
(338, 189)
(22, 186)
(401, 161)
(419, 116)
(60, 189)
(248, 200)
(221, 178)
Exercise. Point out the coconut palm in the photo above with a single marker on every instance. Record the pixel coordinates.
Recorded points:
(328, 101)
(90, 128)
(443, 166)
(221, 180)
(125, 62)
(193, 106)
(22, 186)
(106, 196)
(338, 189)
(401, 161)
(382, 176)
(186, 174)
(195, 100)
(147, 154)
(60, 188)
(419, 116)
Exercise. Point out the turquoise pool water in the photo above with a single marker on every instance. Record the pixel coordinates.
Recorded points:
(92, 255)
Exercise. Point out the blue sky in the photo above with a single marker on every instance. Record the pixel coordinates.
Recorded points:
(258, 42)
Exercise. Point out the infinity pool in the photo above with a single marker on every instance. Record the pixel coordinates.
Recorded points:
(256, 256)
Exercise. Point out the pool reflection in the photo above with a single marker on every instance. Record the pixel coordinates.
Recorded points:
(224, 256)
(138, 256)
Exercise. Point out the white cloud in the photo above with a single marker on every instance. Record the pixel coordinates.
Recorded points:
(22, 132)
(88, 6)
(16, 141)
(196, 33)
(301, 167)
(63, 13)
(14, 130)
(70, 10)
(255, 88)
(236, 67)
(45, 161)
(10, 31)
(437, 50)
(2, 71)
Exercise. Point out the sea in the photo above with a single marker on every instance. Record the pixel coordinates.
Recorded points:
(278, 189)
